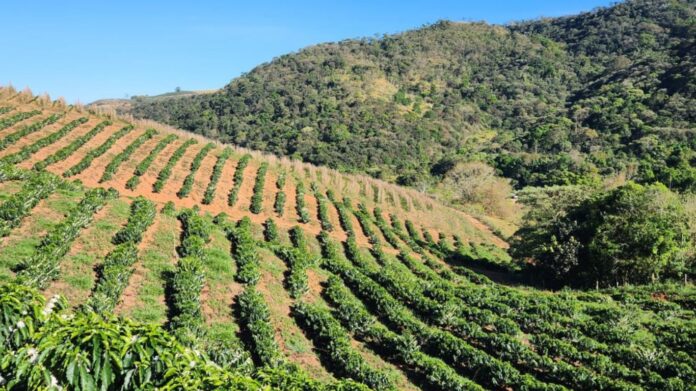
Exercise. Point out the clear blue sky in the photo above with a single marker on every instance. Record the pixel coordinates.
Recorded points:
(86, 50)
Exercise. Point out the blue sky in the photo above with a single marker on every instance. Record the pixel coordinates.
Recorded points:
(86, 50)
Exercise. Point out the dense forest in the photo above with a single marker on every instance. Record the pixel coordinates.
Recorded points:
(545, 102)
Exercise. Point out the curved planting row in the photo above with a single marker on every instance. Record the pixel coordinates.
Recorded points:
(7, 122)
(323, 212)
(144, 164)
(28, 150)
(68, 150)
(334, 343)
(6, 109)
(188, 279)
(166, 172)
(215, 176)
(244, 252)
(257, 197)
(117, 268)
(94, 153)
(279, 203)
(300, 205)
(12, 138)
(43, 266)
(122, 157)
(238, 179)
(255, 317)
(298, 260)
(20, 204)
(187, 186)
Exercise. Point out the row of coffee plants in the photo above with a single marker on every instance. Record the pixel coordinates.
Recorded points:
(255, 317)
(166, 172)
(28, 150)
(96, 152)
(124, 155)
(69, 149)
(43, 347)
(403, 351)
(238, 178)
(257, 198)
(323, 212)
(280, 197)
(188, 280)
(16, 118)
(334, 344)
(5, 109)
(300, 205)
(19, 205)
(187, 186)
(298, 260)
(481, 367)
(43, 265)
(13, 137)
(244, 252)
(215, 176)
(145, 164)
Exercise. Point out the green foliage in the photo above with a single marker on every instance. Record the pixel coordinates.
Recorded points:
(43, 266)
(166, 171)
(142, 215)
(187, 186)
(114, 274)
(270, 231)
(256, 322)
(45, 348)
(96, 152)
(16, 118)
(119, 159)
(244, 252)
(238, 179)
(13, 137)
(28, 150)
(215, 176)
(144, 164)
(334, 342)
(257, 197)
(323, 212)
(300, 205)
(566, 100)
(69, 149)
(20, 204)
(632, 234)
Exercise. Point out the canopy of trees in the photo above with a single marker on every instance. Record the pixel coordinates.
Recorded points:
(631, 234)
(546, 102)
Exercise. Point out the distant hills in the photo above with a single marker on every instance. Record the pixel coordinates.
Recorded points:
(551, 101)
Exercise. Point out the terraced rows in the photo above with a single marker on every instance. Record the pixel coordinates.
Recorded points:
(306, 274)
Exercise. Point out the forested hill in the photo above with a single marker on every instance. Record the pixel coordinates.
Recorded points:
(552, 101)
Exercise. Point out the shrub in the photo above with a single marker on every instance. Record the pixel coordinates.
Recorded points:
(300, 202)
(142, 215)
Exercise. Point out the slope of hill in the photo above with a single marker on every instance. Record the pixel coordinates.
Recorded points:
(552, 101)
(230, 269)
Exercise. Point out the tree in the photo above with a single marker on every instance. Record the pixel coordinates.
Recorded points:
(631, 234)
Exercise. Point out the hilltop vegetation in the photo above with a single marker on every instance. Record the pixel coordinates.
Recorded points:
(548, 102)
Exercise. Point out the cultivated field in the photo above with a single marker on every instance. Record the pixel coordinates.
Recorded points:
(287, 263)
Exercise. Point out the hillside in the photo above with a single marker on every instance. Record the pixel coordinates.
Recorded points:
(240, 270)
(552, 101)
